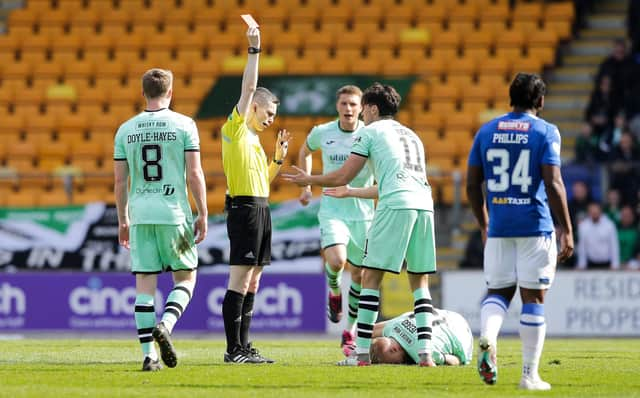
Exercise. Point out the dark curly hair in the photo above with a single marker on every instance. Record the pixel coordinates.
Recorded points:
(526, 91)
(385, 97)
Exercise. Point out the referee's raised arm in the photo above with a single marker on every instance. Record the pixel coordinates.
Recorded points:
(250, 75)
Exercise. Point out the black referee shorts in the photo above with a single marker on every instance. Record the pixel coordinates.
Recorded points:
(249, 229)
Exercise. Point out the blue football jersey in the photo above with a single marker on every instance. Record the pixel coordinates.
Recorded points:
(511, 150)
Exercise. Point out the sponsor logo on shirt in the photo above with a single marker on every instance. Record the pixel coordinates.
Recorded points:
(168, 189)
(513, 125)
(339, 157)
(511, 201)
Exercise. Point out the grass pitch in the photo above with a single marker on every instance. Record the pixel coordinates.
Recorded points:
(111, 368)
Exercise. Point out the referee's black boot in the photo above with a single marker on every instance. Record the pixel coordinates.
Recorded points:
(256, 354)
(240, 355)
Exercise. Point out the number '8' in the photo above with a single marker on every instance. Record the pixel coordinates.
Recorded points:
(151, 155)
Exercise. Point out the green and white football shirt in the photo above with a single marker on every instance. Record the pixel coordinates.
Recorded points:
(399, 165)
(153, 144)
(336, 144)
(450, 335)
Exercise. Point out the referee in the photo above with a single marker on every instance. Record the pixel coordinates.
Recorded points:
(248, 175)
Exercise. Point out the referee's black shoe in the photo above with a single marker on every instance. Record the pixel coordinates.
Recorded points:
(241, 355)
(256, 354)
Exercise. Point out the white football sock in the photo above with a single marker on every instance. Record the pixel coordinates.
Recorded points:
(532, 332)
(492, 313)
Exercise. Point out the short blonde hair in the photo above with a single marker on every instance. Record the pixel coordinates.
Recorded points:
(156, 82)
(263, 97)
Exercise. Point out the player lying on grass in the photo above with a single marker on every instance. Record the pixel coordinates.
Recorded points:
(396, 341)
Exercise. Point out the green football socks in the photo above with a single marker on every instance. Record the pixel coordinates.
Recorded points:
(177, 302)
(145, 317)
(367, 316)
(423, 310)
(354, 298)
(333, 279)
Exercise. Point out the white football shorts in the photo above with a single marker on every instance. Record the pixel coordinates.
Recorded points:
(529, 262)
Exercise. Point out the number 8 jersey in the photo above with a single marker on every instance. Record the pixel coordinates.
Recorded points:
(511, 150)
(153, 144)
(399, 166)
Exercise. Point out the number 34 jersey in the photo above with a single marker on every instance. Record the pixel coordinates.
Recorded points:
(153, 144)
(397, 157)
(511, 150)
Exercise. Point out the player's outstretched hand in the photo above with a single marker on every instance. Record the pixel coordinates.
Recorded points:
(282, 144)
(253, 36)
(200, 228)
(123, 235)
(566, 246)
(337, 192)
(305, 196)
(301, 178)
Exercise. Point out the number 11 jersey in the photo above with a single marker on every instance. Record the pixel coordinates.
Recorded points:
(511, 150)
(153, 143)
(399, 166)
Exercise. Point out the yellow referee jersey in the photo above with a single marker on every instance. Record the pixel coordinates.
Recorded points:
(243, 159)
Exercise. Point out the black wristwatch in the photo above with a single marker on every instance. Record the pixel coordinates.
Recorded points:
(278, 162)
(254, 50)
